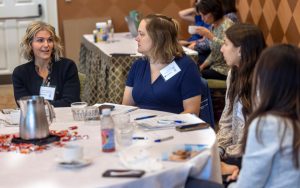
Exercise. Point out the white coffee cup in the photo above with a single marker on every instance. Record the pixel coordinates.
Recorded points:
(192, 29)
(72, 153)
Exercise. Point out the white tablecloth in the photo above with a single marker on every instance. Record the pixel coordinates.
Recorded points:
(42, 170)
(123, 43)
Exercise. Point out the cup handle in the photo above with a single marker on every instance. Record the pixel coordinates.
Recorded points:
(51, 112)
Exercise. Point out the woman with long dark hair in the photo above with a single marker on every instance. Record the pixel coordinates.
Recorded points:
(272, 136)
(241, 49)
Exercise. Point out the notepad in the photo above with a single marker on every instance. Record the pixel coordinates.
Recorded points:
(174, 121)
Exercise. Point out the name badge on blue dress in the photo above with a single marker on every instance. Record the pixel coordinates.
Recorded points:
(169, 71)
(48, 92)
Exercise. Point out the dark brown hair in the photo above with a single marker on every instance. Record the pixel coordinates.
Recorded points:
(229, 6)
(214, 7)
(251, 41)
(276, 91)
(163, 31)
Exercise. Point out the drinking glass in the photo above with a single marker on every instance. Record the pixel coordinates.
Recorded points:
(78, 110)
(123, 129)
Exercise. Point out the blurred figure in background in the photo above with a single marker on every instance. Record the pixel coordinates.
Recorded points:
(211, 11)
(230, 10)
(191, 15)
(46, 74)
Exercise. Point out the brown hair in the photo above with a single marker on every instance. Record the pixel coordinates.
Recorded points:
(215, 7)
(251, 41)
(163, 31)
(31, 31)
(276, 90)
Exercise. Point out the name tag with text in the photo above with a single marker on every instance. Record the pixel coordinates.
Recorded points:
(169, 71)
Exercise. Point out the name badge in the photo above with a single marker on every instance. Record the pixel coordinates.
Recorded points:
(169, 71)
(47, 92)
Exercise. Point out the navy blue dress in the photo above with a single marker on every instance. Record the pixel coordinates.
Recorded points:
(164, 95)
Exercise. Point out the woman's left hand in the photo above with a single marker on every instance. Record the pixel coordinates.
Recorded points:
(233, 170)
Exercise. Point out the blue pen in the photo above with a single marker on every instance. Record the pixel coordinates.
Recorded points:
(170, 121)
(164, 139)
(131, 110)
(145, 117)
(139, 138)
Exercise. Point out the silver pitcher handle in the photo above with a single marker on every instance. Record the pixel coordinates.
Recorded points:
(50, 111)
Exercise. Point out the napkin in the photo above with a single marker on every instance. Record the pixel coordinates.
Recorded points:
(136, 157)
(10, 119)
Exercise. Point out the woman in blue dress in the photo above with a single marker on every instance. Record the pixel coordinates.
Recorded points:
(165, 79)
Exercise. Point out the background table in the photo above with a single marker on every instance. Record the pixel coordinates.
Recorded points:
(42, 170)
(106, 65)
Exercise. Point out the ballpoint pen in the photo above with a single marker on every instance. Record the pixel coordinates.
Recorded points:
(164, 139)
(170, 121)
(139, 138)
(145, 117)
(131, 110)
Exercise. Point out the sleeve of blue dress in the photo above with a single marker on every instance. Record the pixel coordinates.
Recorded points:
(71, 87)
(191, 82)
(131, 75)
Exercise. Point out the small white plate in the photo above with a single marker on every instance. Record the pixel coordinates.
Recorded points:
(74, 164)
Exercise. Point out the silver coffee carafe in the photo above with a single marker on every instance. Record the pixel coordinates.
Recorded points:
(34, 123)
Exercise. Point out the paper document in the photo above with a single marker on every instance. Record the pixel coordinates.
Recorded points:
(119, 108)
(170, 121)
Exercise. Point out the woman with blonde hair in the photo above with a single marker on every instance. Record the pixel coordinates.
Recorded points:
(46, 74)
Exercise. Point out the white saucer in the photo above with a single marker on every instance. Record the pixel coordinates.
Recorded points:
(74, 164)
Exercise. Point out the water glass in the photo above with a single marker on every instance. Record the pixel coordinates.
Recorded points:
(123, 129)
(91, 113)
(78, 110)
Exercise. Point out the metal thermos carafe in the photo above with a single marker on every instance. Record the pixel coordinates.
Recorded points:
(33, 120)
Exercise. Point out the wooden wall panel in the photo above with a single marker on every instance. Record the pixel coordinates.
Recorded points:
(118, 9)
(278, 19)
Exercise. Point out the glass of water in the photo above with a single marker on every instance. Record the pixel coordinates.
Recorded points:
(123, 129)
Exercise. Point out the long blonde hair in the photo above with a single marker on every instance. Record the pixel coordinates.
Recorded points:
(31, 31)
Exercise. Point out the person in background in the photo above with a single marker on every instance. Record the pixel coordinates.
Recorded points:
(190, 15)
(211, 11)
(46, 74)
(230, 10)
(203, 45)
(241, 50)
(272, 136)
(165, 79)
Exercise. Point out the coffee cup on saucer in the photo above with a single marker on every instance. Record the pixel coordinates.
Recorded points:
(72, 153)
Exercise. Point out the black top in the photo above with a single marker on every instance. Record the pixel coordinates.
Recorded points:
(64, 76)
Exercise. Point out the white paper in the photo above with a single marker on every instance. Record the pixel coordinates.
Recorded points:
(119, 108)
(154, 123)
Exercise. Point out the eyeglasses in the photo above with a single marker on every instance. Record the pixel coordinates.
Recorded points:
(42, 40)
